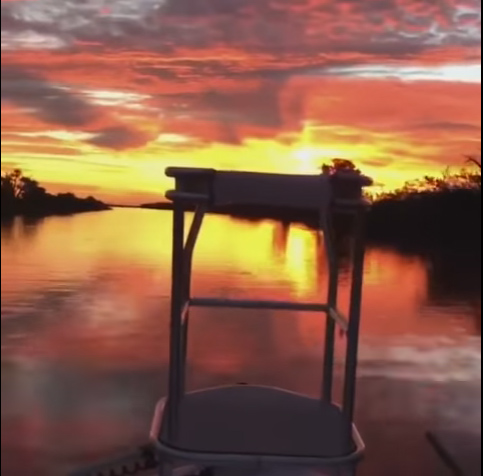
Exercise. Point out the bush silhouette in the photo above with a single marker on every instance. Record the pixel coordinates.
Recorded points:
(24, 196)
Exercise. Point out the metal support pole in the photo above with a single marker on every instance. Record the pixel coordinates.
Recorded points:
(185, 319)
(187, 268)
(175, 323)
(328, 379)
(249, 304)
(354, 319)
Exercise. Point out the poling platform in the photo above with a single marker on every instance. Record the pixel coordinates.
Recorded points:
(230, 428)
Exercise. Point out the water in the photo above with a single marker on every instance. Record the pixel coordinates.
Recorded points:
(84, 335)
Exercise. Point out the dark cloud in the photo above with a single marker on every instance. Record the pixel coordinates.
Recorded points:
(49, 102)
(378, 27)
(183, 53)
(225, 115)
(59, 105)
(119, 137)
(259, 108)
(197, 8)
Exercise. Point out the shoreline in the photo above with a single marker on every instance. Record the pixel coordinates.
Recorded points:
(417, 221)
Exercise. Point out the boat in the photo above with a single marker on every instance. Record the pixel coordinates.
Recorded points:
(255, 430)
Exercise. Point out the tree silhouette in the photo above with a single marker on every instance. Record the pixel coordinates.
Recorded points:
(22, 195)
(31, 189)
(470, 159)
(16, 186)
(11, 184)
(339, 165)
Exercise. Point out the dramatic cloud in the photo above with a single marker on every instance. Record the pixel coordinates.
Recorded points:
(118, 137)
(389, 27)
(58, 105)
(49, 102)
(260, 84)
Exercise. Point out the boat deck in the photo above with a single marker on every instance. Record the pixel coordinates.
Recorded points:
(256, 421)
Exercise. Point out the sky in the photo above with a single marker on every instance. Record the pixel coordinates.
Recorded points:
(100, 96)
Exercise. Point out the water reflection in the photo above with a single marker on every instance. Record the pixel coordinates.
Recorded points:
(17, 228)
(84, 334)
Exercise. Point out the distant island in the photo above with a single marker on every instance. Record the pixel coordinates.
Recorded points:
(23, 196)
(158, 206)
(432, 211)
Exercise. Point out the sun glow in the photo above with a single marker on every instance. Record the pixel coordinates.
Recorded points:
(310, 158)
(386, 139)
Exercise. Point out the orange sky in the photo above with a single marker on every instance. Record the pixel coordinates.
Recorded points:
(98, 97)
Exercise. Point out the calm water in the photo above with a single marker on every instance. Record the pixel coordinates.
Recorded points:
(84, 335)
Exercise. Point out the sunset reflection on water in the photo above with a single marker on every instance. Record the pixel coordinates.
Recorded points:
(84, 335)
